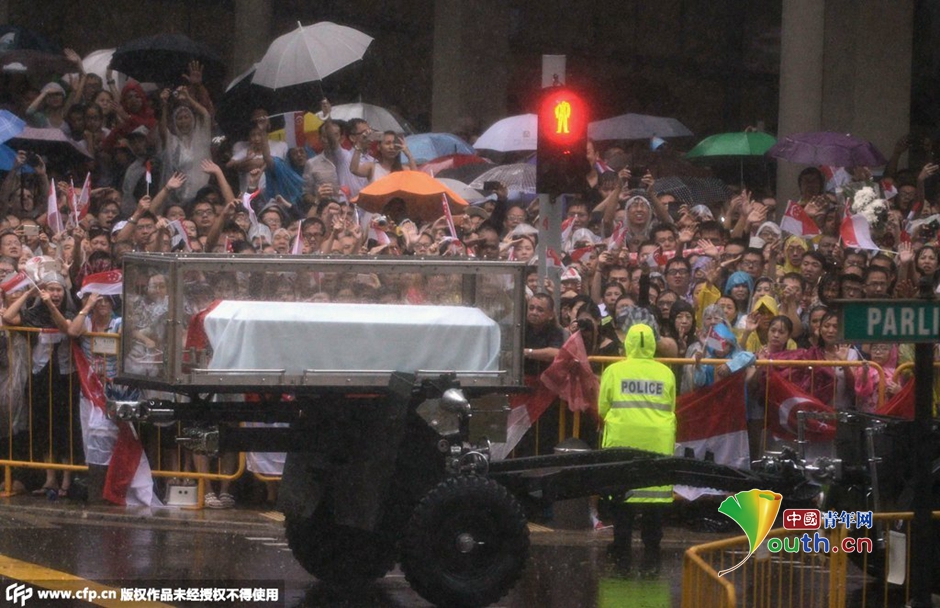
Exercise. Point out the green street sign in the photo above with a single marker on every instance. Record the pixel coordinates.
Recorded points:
(889, 320)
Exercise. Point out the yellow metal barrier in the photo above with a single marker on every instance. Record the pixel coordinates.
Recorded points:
(800, 580)
(74, 462)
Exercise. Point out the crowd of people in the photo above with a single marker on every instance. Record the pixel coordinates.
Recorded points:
(712, 280)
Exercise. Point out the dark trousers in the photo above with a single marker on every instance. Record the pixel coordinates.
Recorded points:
(651, 526)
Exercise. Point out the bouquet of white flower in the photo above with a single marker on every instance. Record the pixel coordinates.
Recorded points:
(867, 204)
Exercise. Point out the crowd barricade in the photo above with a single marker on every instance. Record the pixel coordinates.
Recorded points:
(19, 452)
(802, 579)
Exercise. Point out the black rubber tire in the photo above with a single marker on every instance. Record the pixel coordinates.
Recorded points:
(338, 555)
(466, 544)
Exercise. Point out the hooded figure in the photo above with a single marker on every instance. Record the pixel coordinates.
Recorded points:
(638, 223)
(721, 343)
(638, 406)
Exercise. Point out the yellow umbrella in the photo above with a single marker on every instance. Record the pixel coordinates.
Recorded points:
(423, 195)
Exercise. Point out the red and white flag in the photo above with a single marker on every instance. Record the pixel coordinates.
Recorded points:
(888, 188)
(84, 198)
(901, 405)
(552, 258)
(294, 129)
(618, 236)
(713, 419)
(569, 375)
(247, 197)
(785, 400)
(584, 254)
(179, 238)
(796, 221)
(148, 175)
(448, 216)
(15, 283)
(298, 247)
(567, 226)
(107, 283)
(53, 217)
(128, 481)
(856, 233)
(836, 177)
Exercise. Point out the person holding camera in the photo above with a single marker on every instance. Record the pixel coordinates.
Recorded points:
(391, 147)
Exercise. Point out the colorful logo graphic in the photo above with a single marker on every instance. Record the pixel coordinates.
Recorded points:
(754, 511)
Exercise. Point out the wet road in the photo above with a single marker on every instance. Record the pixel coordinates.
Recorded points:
(565, 569)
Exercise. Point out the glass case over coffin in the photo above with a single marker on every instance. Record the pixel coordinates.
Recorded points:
(230, 323)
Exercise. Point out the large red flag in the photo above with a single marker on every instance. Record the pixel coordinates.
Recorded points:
(713, 419)
(128, 481)
(901, 405)
(785, 400)
(570, 377)
(796, 221)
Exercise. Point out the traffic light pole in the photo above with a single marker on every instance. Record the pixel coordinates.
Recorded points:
(550, 218)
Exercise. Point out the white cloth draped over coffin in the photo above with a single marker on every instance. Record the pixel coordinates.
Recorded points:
(297, 336)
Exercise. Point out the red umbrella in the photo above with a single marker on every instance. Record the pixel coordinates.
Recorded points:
(451, 161)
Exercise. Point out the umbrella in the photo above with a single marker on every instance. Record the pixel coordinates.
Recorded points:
(423, 195)
(35, 62)
(465, 173)
(744, 143)
(693, 190)
(518, 178)
(461, 189)
(452, 161)
(165, 57)
(233, 112)
(17, 38)
(512, 134)
(52, 142)
(636, 126)
(378, 118)
(8, 157)
(827, 148)
(11, 125)
(732, 146)
(428, 146)
(310, 53)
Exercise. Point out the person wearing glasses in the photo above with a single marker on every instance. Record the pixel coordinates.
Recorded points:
(679, 276)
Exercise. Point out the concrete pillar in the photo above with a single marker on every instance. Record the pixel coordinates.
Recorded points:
(802, 27)
(844, 66)
(252, 34)
(470, 62)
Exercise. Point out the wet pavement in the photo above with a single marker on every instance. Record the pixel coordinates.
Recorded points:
(121, 547)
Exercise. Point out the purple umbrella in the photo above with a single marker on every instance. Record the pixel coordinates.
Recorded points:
(827, 148)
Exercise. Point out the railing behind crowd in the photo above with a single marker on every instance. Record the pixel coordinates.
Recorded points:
(18, 409)
(25, 406)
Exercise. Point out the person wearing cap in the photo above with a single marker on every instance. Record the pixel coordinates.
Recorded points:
(54, 390)
(48, 109)
(637, 403)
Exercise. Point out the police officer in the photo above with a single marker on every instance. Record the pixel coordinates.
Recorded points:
(637, 404)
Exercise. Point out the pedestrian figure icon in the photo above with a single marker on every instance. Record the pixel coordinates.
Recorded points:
(562, 114)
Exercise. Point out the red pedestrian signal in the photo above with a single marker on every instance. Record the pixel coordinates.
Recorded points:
(562, 139)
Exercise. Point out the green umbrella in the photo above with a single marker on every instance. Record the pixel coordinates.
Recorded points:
(753, 143)
(732, 146)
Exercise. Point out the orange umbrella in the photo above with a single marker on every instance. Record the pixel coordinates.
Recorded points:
(423, 195)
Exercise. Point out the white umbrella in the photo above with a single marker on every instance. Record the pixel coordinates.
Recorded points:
(512, 134)
(519, 179)
(96, 62)
(310, 53)
(378, 117)
(466, 192)
(636, 126)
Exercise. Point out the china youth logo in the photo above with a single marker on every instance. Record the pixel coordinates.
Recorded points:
(754, 511)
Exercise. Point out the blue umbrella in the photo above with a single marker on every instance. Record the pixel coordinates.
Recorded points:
(8, 157)
(11, 125)
(428, 146)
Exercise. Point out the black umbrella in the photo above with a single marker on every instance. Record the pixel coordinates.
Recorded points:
(16, 38)
(165, 57)
(242, 97)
